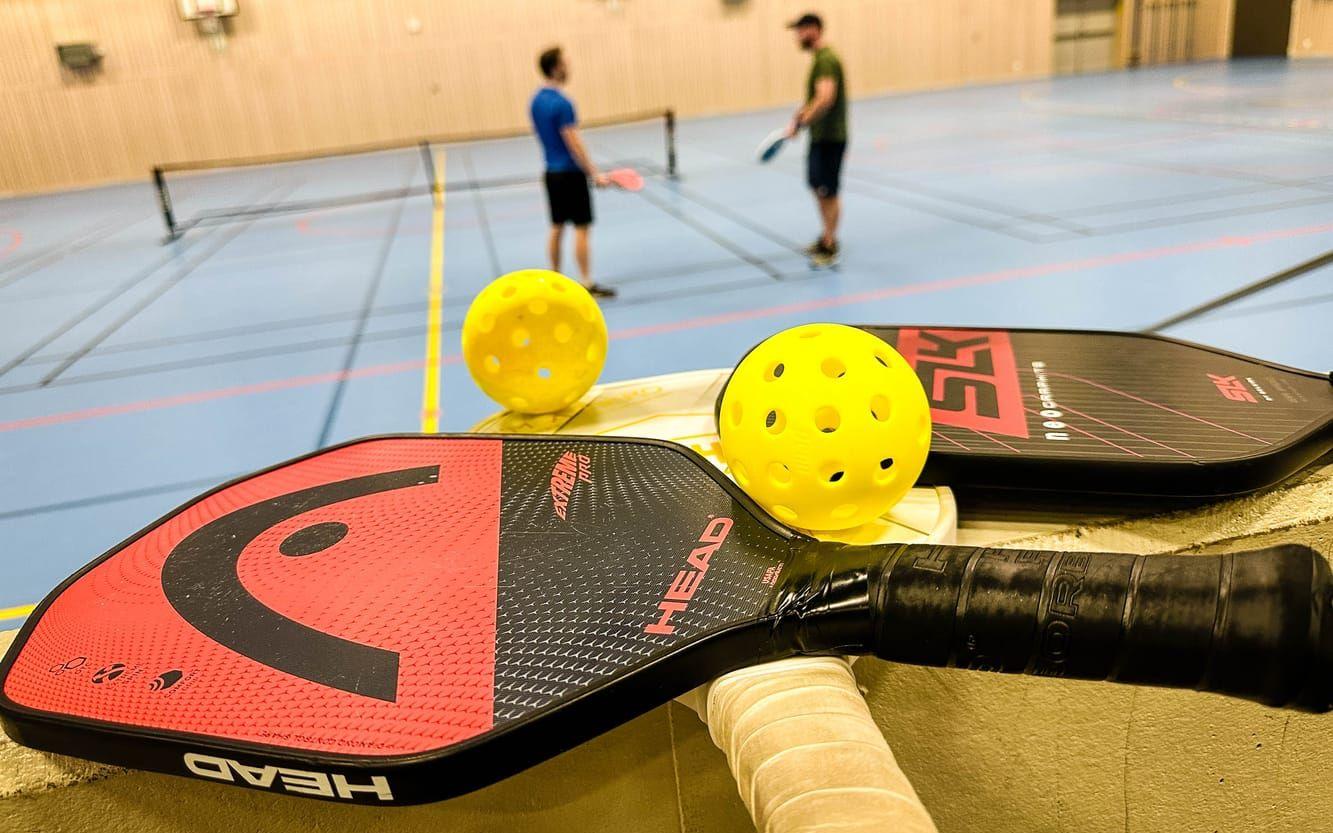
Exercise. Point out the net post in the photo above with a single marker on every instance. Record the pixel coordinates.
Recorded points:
(428, 163)
(670, 117)
(164, 202)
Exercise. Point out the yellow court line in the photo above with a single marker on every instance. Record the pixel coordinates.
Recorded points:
(430, 380)
(16, 612)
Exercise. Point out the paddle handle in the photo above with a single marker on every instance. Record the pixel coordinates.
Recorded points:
(1255, 625)
(805, 751)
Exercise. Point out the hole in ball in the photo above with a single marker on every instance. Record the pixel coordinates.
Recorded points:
(779, 473)
(827, 419)
(544, 372)
(886, 463)
(736, 413)
(835, 476)
(492, 364)
(563, 333)
(833, 368)
(880, 408)
(520, 337)
(774, 421)
(879, 357)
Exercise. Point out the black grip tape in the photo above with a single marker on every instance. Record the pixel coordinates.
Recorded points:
(1254, 625)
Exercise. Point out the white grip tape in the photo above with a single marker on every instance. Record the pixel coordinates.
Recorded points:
(805, 751)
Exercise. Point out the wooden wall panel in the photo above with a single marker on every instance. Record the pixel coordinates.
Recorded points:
(1311, 29)
(298, 75)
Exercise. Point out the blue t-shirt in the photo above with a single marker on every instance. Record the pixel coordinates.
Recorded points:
(552, 112)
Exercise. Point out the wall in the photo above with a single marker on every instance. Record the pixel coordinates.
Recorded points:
(1174, 31)
(300, 75)
(1311, 29)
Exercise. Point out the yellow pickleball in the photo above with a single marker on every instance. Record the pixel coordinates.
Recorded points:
(825, 426)
(534, 341)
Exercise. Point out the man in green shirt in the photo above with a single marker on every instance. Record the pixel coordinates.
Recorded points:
(825, 115)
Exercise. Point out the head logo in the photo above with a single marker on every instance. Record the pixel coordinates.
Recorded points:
(1232, 388)
(303, 781)
(569, 471)
(687, 581)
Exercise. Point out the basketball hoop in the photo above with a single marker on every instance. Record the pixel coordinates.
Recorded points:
(208, 17)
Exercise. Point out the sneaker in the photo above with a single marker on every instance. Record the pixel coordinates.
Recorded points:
(815, 248)
(597, 290)
(825, 259)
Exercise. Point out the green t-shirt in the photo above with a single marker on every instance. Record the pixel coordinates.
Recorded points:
(832, 126)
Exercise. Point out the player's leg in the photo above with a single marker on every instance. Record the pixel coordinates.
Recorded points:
(582, 255)
(826, 180)
(813, 176)
(553, 246)
(580, 214)
(556, 206)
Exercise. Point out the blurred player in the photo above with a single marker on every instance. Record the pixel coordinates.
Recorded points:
(825, 115)
(568, 167)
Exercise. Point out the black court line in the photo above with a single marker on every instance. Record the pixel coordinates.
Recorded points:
(707, 231)
(179, 275)
(871, 190)
(416, 331)
(855, 185)
(990, 206)
(1169, 202)
(1245, 291)
(114, 497)
(54, 253)
(1210, 171)
(96, 306)
(367, 302)
(628, 279)
(1198, 216)
(737, 217)
(483, 221)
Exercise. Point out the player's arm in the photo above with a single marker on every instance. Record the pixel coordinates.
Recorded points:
(574, 141)
(826, 93)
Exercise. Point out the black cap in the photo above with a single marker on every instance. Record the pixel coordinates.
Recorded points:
(807, 19)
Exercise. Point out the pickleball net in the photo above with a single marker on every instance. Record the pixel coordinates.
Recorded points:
(212, 192)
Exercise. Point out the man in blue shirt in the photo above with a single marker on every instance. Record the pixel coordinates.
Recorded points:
(568, 167)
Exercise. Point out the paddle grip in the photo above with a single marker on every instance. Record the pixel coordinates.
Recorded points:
(1255, 625)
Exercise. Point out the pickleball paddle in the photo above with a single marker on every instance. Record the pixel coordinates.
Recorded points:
(626, 179)
(1110, 412)
(403, 619)
(771, 146)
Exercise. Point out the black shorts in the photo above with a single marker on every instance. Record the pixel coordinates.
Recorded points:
(824, 167)
(568, 197)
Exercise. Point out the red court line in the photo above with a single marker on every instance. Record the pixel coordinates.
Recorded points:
(701, 322)
(15, 240)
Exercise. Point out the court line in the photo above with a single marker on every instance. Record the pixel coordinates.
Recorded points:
(430, 376)
(17, 612)
(483, 219)
(702, 322)
(163, 288)
(367, 303)
(98, 305)
(15, 240)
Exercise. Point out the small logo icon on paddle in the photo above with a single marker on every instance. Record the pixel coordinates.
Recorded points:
(166, 680)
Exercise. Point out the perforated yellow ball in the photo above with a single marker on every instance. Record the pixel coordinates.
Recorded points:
(826, 426)
(534, 341)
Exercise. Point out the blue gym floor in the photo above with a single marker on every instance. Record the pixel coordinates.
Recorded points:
(134, 375)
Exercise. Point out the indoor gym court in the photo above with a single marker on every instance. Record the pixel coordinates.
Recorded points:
(1193, 200)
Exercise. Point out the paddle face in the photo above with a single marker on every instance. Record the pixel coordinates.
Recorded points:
(771, 145)
(1111, 413)
(400, 619)
(626, 179)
